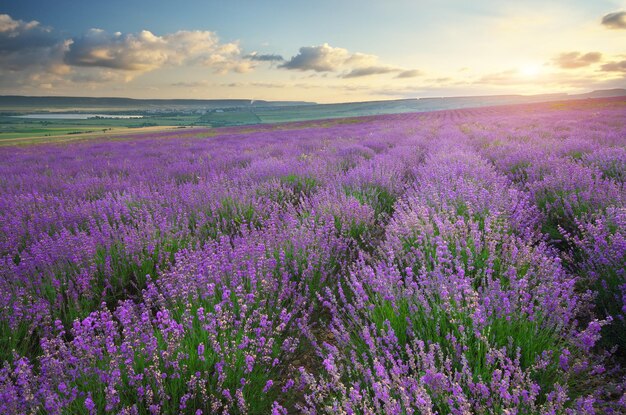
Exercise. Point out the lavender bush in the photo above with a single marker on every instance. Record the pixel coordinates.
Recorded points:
(466, 261)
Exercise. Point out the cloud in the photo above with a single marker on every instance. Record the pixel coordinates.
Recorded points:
(191, 84)
(573, 60)
(30, 54)
(502, 77)
(97, 48)
(617, 66)
(254, 56)
(441, 80)
(17, 36)
(370, 70)
(359, 59)
(12, 26)
(324, 58)
(256, 84)
(616, 20)
(7, 24)
(145, 51)
(34, 56)
(409, 73)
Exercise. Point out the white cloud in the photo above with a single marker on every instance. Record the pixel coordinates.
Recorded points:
(264, 57)
(323, 58)
(33, 56)
(573, 60)
(370, 70)
(409, 73)
(30, 54)
(326, 58)
(145, 51)
(12, 26)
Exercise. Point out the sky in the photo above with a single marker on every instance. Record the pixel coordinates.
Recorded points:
(315, 50)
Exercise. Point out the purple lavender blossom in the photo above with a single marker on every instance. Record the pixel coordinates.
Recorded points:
(466, 261)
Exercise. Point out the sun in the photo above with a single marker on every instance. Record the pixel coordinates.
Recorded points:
(530, 70)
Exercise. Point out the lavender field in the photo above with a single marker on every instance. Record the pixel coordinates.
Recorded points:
(455, 262)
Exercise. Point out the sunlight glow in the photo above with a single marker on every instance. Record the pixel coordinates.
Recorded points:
(530, 70)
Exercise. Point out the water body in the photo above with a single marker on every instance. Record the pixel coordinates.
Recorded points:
(73, 116)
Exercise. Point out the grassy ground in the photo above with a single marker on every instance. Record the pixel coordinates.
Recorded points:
(20, 128)
(27, 139)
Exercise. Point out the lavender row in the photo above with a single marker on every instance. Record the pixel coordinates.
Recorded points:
(574, 168)
(468, 312)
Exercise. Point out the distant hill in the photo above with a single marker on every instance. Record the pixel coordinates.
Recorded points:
(442, 103)
(231, 112)
(356, 109)
(603, 93)
(18, 101)
(370, 107)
